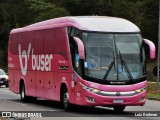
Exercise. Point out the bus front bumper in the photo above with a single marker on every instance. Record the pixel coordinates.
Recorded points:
(90, 99)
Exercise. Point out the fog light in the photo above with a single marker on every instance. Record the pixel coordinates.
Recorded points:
(89, 99)
(141, 99)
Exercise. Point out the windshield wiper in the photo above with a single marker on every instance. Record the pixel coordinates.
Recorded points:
(123, 63)
(109, 68)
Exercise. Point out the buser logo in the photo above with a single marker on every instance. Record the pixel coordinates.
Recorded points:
(39, 62)
(25, 56)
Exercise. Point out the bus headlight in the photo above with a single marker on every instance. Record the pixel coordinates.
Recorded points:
(140, 90)
(89, 89)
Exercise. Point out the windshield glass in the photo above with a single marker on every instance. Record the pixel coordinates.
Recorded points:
(113, 57)
(129, 52)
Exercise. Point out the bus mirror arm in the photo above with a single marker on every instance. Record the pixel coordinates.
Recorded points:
(80, 47)
(152, 48)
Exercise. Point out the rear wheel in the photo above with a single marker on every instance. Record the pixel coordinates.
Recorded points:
(65, 100)
(24, 97)
(119, 108)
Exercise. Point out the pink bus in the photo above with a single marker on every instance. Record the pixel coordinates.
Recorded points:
(87, 61)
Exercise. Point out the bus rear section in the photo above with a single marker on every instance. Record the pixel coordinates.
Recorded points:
(88, 61)
(38, 61)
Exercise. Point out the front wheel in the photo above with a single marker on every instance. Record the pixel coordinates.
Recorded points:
(119, 108)
(65, 100)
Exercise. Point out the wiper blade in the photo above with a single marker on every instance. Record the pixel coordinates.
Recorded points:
(123, 63)
(109, 68)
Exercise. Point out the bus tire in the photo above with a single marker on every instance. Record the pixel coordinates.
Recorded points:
(65, 100)
(23, 96)
(119, 108)
(7, 86)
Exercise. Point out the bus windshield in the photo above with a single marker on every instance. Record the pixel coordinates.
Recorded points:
(113, 57)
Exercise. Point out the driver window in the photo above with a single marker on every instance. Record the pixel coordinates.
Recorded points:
(74, 32)
(75, 55)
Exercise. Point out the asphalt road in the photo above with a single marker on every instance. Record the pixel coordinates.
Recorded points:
(11, 102)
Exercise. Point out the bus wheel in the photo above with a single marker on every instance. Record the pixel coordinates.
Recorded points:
(22, 93)
(65, 100)
(119, 108)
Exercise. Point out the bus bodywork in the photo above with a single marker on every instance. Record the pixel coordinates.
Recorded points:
(50, 60)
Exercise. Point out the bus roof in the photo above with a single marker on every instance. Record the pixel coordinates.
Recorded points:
(89, 23)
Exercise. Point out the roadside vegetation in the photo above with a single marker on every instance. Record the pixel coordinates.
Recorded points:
(151, 90)
(151, 80)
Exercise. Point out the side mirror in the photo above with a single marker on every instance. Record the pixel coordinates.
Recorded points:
(155, 71)
(152, 48)
(80, 47)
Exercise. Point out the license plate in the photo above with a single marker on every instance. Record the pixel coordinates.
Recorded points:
(118, 101)
(1, 81)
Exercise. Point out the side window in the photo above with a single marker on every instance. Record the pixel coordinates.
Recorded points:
(21, 38)
(76, 63)
(19, 44)
(50, 38)
(38, 42)
(73, 51)
(75, 55)
(69, 30)
(13, 44)
(77, 33)
(74, 32)
(29, 40)
(61, 42)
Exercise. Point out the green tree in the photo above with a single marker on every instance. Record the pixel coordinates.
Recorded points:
(19, 13)
(42, 10)
(144, 13)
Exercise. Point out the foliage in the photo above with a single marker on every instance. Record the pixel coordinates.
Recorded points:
(151, 92)
(144, 13)
(18, 13)
(42, 10)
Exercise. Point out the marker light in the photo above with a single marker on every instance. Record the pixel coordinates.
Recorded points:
(141, 99)
(89, 99)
